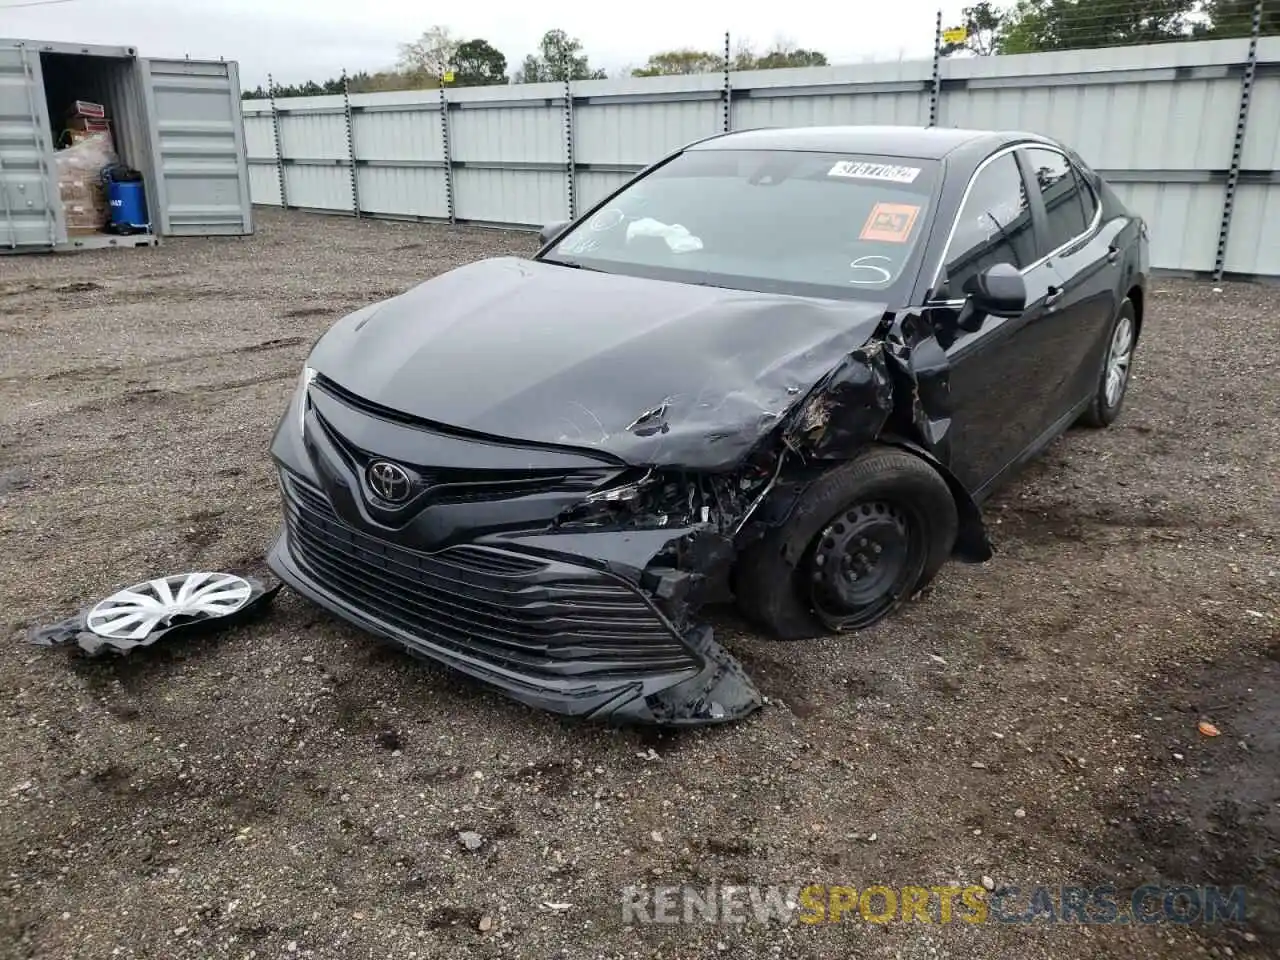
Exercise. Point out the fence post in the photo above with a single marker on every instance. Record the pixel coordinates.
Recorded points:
(1237, 146)
(351, 143)
(935, 92)
(448, 155)
(275, 133)
(570, 165)
(727, 95)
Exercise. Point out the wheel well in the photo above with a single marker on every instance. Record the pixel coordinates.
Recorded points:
(972, 545)
(1136, 295)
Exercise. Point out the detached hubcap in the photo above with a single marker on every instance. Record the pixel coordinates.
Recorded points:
(861, 560)
(1118, 359)
(132, 613)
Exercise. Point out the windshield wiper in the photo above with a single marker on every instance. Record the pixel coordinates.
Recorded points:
(572, 264)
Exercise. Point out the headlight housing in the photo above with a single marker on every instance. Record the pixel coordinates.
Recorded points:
(641, 500)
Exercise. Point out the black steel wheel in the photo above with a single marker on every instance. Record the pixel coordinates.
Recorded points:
(863, 538)
(865, 559)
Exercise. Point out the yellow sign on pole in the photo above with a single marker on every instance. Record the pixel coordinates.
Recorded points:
(448, 76)
(955, 35)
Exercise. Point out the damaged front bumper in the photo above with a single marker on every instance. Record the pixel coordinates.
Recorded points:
(573, 622)
(556, 635)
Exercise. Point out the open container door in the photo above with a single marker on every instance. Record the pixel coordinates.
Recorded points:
(201, 176)
(30, 208)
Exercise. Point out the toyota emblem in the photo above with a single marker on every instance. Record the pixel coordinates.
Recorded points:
(389, 481)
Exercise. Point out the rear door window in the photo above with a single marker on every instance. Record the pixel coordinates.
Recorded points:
(1087, 199)
(1064, 200)
(994, 225)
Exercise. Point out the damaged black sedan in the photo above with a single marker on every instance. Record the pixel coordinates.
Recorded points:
(779, 366)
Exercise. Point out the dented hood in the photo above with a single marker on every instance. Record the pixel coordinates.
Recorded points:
(648, 371)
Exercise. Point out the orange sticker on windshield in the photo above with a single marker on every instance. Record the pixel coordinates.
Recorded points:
(890, 222)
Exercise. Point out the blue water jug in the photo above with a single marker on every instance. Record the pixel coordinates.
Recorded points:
(127, 201)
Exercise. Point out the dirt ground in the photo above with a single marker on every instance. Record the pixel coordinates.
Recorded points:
(292, 788)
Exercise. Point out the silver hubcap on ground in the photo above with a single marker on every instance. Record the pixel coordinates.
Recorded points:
(1118, 359)
(134, 612)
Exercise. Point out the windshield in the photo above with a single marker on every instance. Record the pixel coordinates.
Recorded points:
(811, 224)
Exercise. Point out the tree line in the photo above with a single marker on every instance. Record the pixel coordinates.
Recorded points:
(1036, 26)
(438, 56)
(1026, 26)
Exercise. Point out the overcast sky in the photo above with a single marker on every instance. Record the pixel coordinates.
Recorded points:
(314, 39)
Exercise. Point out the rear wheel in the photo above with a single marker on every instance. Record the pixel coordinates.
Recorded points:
(1113, 382)
(862, 539)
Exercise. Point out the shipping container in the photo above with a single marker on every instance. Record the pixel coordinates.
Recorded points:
(176, 122)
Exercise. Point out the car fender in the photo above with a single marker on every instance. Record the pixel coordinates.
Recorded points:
(972, 544)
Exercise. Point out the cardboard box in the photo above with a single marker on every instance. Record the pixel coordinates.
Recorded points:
(84, 108)
(89, 124)
(84, 199)
(80, 136)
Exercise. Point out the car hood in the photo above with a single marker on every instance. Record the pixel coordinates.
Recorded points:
(648, 371)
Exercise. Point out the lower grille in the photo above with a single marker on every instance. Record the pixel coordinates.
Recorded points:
(538, 617)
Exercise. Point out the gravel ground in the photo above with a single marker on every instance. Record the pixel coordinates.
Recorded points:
(292, 788)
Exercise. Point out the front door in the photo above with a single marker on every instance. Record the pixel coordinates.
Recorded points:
(995, 381)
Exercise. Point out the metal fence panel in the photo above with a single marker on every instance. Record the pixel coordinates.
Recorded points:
(864, 107)
(1184, 218)
(1262, 138)
(313, 135)
(259, 141)
(639, 133)
(510, 196)
(391, 135)
(318, 187)
(594, 186)
(403, 192)
(529, 134)
(1159, 121)
(1254, 244)
(889, 93)
(264, 183)
(1137, 115)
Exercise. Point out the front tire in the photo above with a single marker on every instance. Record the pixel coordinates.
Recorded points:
(1113, 382)
(863, 538)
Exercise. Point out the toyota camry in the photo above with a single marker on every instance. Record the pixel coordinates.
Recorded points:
(779, 367)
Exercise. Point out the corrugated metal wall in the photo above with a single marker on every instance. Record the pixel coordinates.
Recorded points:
(30, 210)
(197, 150)
(1158, 121)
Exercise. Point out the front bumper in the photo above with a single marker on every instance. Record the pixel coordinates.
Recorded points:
(552, 629)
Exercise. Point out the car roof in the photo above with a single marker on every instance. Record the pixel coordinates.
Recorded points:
(926, 143)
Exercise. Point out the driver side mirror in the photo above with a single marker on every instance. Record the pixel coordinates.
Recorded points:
(998, 291)
(551, 231)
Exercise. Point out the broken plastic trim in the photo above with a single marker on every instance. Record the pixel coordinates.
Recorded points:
(100, 628)
(720, 693)
(643, 499)
(846, 410)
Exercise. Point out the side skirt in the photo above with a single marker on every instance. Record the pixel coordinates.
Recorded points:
(1056, 429)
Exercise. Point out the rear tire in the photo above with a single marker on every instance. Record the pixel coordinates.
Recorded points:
(1117, 364)
(864, 537)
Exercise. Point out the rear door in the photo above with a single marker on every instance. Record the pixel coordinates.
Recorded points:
(1087, 262)
(197, 147)
(30, 207)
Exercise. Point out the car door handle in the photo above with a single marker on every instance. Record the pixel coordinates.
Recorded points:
(1054, 295)
(1113, 254)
